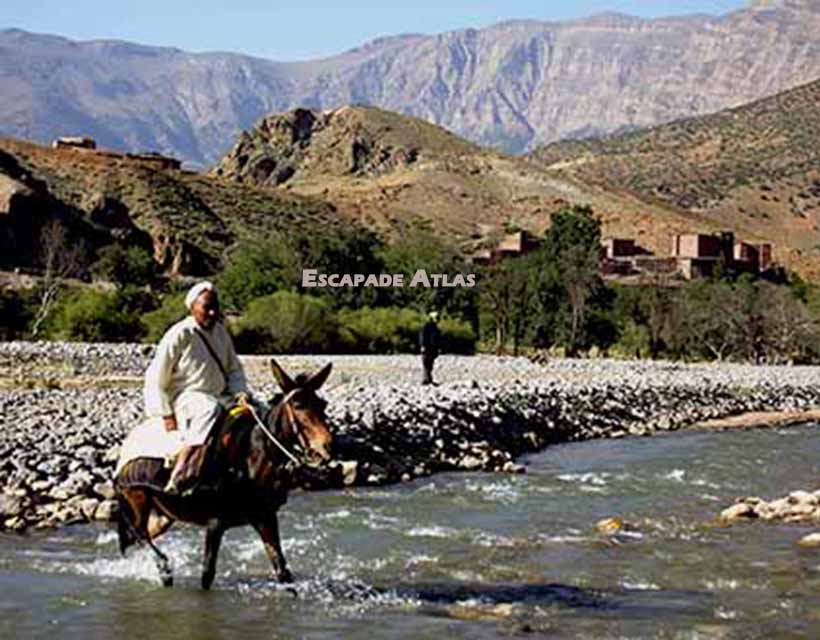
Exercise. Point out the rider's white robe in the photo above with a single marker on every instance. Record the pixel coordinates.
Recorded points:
(183, 379)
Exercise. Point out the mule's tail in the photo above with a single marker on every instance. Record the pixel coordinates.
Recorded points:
(125, 524)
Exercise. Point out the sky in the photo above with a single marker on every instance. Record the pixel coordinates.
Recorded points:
(309, 29)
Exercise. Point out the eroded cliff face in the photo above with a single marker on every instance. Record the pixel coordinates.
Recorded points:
(514, 85)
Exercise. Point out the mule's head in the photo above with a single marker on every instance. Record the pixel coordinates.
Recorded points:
(305, 411)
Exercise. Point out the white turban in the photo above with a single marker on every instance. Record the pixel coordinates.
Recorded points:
(197, 290)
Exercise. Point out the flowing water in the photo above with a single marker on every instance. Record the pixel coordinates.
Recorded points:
(469, 556)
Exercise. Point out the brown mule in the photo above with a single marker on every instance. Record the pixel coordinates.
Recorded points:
(262, 474)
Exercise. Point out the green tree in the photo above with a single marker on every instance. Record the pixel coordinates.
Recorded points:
(124, 266)
(257, 269)
(94, 316)
(157, 322)
(286, 322)
(570, 262)
(418, 249)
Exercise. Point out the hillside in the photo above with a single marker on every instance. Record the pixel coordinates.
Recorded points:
(187, 220)
(756, 166)
(512, 86)
(396, 173)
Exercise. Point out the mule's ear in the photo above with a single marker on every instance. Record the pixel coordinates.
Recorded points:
(316, 381)
(285, 383)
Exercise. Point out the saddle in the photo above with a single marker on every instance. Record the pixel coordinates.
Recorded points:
(216, 466)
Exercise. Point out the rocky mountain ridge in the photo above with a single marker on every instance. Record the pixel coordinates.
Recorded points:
(513, 86)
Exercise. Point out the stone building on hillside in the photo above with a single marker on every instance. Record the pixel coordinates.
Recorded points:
(512, 245)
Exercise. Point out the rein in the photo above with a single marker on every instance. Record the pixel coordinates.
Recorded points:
(282, 404)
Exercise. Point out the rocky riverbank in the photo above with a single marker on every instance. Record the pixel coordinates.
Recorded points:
(58, 439)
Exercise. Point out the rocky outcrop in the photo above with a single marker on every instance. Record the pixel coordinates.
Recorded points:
(513, 85)
(349, 141)
(798, 506)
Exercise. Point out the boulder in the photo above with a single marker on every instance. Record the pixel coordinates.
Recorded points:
(739, 511)
(349, 470)
(609, 525)
(810, 540)
(106, 511)
(11, 506)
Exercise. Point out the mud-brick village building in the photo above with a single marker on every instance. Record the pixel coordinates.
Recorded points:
(513, 245)
(150, 159)
(692, 255)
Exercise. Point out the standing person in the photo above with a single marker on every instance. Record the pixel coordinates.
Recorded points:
(429, 338)
(194, 373)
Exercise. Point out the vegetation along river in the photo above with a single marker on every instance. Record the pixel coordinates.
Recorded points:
(469, 555)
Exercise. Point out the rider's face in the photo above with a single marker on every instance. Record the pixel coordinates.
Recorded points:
(206, 309)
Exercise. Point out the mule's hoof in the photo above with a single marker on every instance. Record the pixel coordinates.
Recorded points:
(167, 581)
(285, 576)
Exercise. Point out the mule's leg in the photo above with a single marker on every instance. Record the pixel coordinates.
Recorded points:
(269, 531)
(213, 538)
(158, 523)
(140, 504)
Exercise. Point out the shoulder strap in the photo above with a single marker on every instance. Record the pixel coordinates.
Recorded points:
(213, 354)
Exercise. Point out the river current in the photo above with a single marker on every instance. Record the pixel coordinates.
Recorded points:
(468, 556)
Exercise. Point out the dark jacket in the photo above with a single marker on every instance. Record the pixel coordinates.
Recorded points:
(429, 338)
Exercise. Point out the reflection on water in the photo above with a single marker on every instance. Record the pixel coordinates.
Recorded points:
(469, 555)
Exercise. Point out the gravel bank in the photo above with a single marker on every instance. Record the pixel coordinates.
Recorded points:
(58, 446)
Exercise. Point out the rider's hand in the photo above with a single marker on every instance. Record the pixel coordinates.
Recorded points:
(170, 422)
(242, 399)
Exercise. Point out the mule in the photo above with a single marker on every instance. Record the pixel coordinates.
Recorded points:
(257, 469)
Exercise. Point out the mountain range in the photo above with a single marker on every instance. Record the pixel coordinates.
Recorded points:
(513, 86)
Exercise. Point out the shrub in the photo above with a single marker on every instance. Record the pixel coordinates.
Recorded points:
(381, 330)
(94, 316)
(396, 330)
(157, 322)
(286, 322)
(254, 271)
(124, 266)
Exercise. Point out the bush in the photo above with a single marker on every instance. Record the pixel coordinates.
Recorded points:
(94, 316)
(286, 322)
(124, 266)
(381, 330)
(157, 322)
(396, 330)
(255, 271)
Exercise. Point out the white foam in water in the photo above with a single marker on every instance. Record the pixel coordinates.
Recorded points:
(676, 475)
(138, 563)
(722, 584)
(485, 539)
(106, 538)
(559, 539)
(420, 559)
(432, 532)
(504, 492)
(335, 515)
(639, 585)
(591, 478)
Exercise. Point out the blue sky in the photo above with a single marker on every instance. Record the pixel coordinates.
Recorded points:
(303, 30)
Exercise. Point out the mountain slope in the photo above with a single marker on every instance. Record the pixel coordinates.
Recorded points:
(757, 166)
(188, 221)
(397, 174)
(513, 86)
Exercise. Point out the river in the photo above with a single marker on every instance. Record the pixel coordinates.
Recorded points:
(468, 556)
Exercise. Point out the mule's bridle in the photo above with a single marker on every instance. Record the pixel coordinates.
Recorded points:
(282, 405)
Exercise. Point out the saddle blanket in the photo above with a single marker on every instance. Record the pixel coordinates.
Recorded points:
(149, 439)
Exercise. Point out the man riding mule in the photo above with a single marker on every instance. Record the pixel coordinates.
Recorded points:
(258, 456)
(193, 376)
